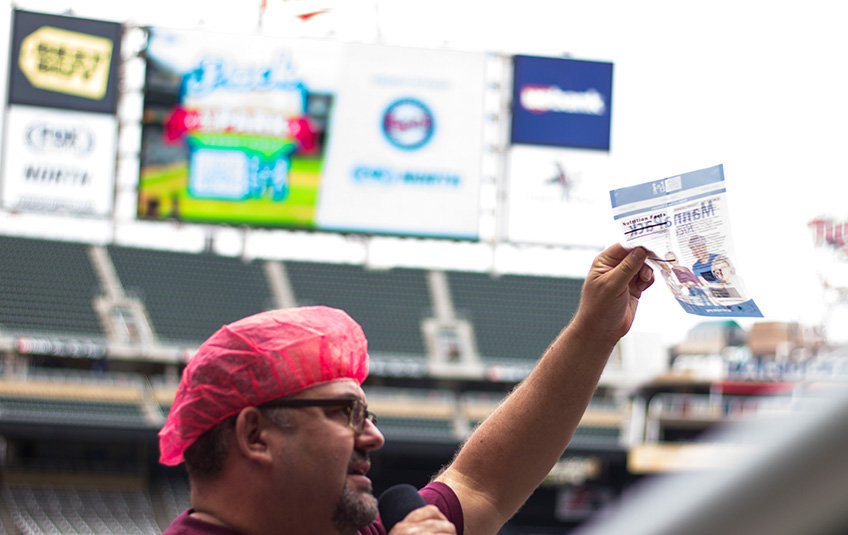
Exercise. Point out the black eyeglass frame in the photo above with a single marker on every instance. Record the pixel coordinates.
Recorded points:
(351, 405)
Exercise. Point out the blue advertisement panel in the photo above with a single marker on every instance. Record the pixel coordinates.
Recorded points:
(561, 102)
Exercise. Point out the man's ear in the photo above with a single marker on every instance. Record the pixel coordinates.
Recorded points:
(252, 431)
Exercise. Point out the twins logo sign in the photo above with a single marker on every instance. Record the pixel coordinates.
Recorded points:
(408, 124)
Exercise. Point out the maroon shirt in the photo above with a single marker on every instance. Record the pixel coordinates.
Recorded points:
(436, 493)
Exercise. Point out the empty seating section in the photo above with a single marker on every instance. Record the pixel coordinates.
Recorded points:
(69, 398)
(514, 317)
(415, 414)
(189, 296)
(47, 287)
(411, 401)
(80, 511)
(601, 424)
(71, 412)
(419, 429)
(388, 304)
(79, 384)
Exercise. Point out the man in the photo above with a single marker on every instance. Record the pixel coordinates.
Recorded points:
(271, 420)
(703, 266)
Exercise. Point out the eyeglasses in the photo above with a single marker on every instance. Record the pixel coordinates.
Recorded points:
(357, 411)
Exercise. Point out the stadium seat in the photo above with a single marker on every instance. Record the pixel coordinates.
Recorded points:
(47, 287)
(515, 317)
(189, 296)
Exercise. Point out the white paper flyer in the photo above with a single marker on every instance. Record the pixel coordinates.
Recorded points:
(683, 222)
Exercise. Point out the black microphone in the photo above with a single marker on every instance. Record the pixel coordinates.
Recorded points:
(396, 502)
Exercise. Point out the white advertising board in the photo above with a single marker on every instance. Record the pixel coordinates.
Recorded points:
(59, 161)
(404, 155)
(557, 196)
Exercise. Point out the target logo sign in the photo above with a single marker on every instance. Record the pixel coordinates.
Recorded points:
(408, 124)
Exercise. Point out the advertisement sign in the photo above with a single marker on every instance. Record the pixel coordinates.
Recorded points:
(235, 128)
(561, 102)
(310, 134)
(64, 62)
(405, 153)
(59, 160)
(553, 196)
(829, 233)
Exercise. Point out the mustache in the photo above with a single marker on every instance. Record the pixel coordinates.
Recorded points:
(358, 457)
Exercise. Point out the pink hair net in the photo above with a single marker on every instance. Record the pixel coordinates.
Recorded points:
(257, 359)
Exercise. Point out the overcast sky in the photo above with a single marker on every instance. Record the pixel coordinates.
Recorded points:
(757, 86)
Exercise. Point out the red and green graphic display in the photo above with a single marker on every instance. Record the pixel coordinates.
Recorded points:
(232, 133)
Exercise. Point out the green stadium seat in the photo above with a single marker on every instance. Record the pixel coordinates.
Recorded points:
(48, 287)
(390, 305)
(515, 317)
(190, 296)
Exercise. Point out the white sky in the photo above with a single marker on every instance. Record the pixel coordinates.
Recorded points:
(758, 86)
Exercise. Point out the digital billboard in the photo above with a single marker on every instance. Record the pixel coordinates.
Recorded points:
(561, 102)
(234, 128)
(267, 132)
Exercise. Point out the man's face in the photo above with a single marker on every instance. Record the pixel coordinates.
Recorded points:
(328, 461)
(722, 270)
(699, 249)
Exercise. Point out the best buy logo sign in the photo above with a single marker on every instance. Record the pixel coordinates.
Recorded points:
(67, 62)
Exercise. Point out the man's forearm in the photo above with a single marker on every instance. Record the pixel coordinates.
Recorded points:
(516, 446)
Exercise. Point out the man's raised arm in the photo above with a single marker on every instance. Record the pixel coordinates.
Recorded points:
(510, 453)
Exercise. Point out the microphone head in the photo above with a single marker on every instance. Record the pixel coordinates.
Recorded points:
(396, 502)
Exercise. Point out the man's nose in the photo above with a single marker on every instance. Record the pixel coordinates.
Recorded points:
(370, 438)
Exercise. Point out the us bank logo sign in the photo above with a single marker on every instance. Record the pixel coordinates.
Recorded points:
(64, 62)
(408, 124)
(561, 102)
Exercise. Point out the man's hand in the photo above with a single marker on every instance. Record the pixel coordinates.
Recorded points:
(611, 292)
(427, 520)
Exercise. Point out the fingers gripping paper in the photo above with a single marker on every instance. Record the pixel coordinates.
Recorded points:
(257, 359)
(683, 222)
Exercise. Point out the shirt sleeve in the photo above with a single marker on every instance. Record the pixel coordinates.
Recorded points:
(443, 497)
(438, 494)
